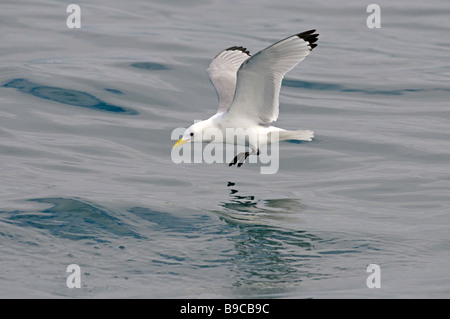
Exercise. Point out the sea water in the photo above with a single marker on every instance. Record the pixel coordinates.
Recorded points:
(87, 177)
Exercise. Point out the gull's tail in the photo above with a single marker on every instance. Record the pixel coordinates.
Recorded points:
(298, 135)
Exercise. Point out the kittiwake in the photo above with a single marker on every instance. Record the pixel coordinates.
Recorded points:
(248, 89)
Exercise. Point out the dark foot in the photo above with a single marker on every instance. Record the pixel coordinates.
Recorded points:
(245, 157)
(234, 161)
(240, 159)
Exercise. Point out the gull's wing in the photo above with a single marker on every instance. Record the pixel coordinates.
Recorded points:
(259, 78)
(222, 73)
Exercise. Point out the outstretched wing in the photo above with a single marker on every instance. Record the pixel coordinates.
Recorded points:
(222, 73)
(259, 78)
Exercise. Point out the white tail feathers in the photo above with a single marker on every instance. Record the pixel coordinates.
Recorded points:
(299, 135)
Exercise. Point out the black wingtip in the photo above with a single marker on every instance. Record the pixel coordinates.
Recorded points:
(240, 48)
(310, 37)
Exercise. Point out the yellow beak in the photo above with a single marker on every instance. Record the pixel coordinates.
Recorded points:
(180, 142)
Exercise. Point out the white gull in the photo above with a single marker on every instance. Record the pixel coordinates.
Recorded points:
(248, 88)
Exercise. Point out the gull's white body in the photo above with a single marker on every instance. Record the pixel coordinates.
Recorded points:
(248, 89)
(260, 133)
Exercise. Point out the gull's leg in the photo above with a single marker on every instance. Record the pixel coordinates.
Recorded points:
(234, 161)
(246, 154)
(241, 157)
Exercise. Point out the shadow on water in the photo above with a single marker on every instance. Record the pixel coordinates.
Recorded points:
(72, 219)
(268, 259)
(67, 96)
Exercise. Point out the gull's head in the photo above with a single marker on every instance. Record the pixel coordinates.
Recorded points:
(192, 133)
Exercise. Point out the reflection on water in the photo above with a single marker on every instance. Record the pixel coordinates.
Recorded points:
(267, 258)
(246, 208)
(272, 260)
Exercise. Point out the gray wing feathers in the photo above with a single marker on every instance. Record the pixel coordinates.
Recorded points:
(259, 77)
(222, 73)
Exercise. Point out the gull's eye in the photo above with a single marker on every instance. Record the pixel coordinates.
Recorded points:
(192, 134)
